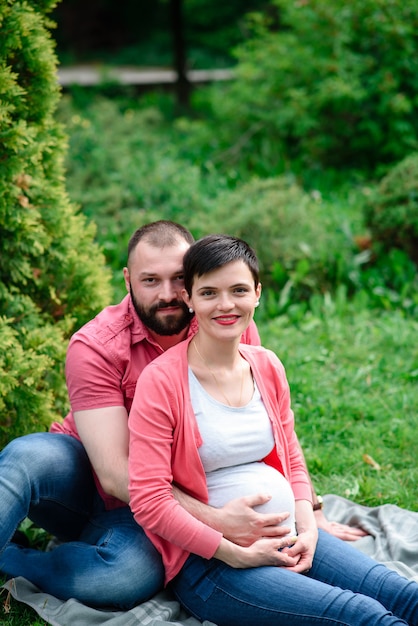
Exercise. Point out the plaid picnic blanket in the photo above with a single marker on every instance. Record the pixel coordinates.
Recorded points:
(393, 540)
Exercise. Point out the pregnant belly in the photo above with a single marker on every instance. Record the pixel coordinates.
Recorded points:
(250, 479)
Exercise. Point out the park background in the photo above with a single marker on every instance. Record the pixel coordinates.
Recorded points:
(310, 153)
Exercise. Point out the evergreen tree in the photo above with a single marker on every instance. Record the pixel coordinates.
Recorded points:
(52, 274)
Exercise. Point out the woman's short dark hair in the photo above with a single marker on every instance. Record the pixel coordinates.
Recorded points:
(215, 251)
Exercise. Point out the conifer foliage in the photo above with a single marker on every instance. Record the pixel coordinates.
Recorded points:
(52, 274)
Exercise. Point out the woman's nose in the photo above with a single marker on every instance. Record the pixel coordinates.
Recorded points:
(225, 302)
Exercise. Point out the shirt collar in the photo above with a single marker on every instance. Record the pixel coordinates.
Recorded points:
(140, 332)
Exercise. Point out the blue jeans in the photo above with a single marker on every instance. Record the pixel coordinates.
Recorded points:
(270, 596)
(106, 560)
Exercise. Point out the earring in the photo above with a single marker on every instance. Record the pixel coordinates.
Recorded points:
(257, 304)
(190, 310)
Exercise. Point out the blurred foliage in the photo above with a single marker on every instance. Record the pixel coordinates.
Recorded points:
(52, 274)
(391, 212)
(333, 84)
(124, 171)
(132, 162)
(300, 245)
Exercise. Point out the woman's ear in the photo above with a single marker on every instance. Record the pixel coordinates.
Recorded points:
(258, 291)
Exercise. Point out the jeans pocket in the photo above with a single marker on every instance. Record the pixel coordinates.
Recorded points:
(201, 576)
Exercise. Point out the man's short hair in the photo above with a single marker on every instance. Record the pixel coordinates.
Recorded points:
(160, 234)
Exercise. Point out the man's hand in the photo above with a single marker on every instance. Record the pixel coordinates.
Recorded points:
(342, 531)
(237, 520)
(241, 524)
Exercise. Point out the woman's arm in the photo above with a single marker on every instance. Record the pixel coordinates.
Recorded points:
(163, 451)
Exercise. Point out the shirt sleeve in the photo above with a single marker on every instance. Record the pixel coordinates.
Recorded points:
(298, 472)
(93, 380)
(277, 391)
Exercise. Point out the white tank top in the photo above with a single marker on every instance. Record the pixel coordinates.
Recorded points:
(235, 439)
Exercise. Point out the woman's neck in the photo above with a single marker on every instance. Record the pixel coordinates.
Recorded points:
(218, 355)
(221, 370)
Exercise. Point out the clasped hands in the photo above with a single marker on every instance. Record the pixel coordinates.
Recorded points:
(262, 539)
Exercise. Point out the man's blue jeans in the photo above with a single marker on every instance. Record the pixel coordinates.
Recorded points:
(270, 596)
(106, 560)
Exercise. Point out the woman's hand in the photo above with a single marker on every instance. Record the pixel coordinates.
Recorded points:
(294, 553)
(267, 551)
(304, 548)
(302, 552)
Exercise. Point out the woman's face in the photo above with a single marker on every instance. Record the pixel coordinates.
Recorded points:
(224, 300)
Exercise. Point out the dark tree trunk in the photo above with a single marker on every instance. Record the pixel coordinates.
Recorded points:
(182, 84)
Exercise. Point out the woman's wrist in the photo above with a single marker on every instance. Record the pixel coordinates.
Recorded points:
(231, 554)
(305, 518)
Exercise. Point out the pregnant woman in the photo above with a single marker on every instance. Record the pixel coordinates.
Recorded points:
(216, 421)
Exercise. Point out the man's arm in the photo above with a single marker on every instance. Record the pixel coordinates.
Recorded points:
(105, 436)
(237, 520)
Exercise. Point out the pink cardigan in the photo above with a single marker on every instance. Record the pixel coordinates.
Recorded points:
(164, 442)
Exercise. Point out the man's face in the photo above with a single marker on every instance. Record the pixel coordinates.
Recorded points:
(155, 281)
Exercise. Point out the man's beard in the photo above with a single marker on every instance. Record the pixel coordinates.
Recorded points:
(167, 325)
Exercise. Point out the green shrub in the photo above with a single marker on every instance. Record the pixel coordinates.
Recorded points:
(302, 246)
(52, 274)
(124, 169)
(391, 212)
(334, 83)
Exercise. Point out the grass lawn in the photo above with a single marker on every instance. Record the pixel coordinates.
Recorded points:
(353, 378)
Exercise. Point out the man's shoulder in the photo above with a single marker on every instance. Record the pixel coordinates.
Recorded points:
(110, 323)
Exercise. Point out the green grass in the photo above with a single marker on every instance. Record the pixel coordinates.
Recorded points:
(353, 376)
(14, 613)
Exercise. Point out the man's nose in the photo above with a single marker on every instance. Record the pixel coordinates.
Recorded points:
(167, 291)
